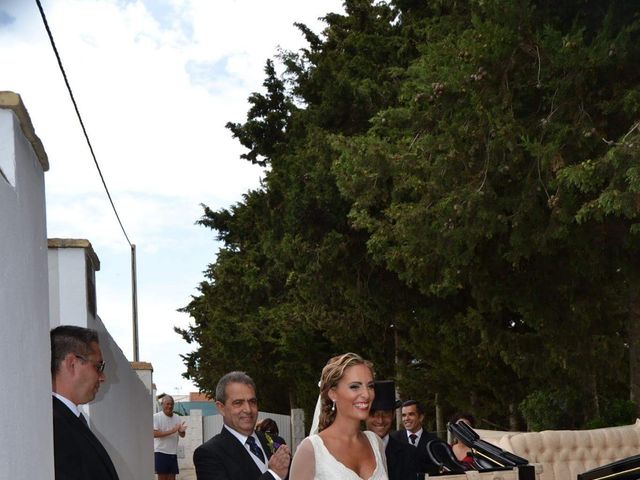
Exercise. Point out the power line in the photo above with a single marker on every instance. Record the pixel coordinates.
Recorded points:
(134, 281)
(84, 130)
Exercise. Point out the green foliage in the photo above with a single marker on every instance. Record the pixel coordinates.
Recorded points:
(475, 190)
(555, 409)
(454, 185)
(562, 409)
(263, 133)
(615, 412)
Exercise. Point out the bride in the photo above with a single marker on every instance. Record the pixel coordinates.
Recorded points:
(340, 449)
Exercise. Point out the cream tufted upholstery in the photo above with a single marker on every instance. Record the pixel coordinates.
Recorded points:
(563, 454)
(506, 475)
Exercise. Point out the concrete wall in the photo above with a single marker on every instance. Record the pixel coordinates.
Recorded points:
(297, 428)
(121, 414)
(72, 267)
(144, 370)
(192, 440)
(25, 353)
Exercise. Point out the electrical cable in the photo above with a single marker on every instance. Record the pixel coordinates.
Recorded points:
(84, 130)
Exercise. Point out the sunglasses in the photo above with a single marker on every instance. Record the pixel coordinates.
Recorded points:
(98, 365)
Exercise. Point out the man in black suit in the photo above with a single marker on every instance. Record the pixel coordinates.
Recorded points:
(77, 370)
(238, 452)
(401, 458)
(415, 435)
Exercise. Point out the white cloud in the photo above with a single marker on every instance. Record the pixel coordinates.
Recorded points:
(155, 81)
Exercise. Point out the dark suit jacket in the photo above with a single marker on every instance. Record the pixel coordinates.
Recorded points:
(402, 460)
(224, 458)
(425, 465)
(78, 453)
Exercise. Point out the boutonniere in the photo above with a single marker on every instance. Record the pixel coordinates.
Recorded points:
(273, 446)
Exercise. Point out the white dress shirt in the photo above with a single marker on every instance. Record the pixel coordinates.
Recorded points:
(243, 440)
(418, 434)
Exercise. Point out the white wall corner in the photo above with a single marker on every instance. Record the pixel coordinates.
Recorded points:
(7, 147)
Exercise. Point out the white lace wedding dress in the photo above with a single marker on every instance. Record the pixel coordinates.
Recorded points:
(313, 461)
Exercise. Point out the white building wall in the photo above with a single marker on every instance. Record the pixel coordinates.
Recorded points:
(67, 287)
(25, 354)
(144, 370)
(121, 414)
(192, 440)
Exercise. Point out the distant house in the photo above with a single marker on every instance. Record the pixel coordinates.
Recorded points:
(194, 401)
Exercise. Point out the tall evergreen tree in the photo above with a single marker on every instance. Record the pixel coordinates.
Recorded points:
(471, 186)
(450, 189)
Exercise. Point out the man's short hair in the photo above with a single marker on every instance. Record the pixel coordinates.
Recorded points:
(67, 339)
(232, 377)
(419, 407)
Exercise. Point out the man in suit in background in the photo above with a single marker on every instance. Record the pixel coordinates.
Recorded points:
(77, 370)
(238, 452)
(401, 458)
(415, 435)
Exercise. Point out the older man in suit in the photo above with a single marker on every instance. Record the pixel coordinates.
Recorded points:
(77, 370)
(401, 458)
(238, 452)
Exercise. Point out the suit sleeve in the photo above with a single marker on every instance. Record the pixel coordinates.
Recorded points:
(68, 463)
(209, 465)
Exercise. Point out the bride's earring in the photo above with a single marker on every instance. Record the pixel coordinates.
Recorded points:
(333, 407)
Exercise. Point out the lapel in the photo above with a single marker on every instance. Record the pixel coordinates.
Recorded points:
(402, 436)
(391, 453)
(238, 454)
(392, 446)
(265, 445)
(78, 426)
(401, 460)
(423, 439)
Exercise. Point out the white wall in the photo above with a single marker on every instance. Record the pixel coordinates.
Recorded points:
(192, 440)
(121, 414)
(67, 285)
(25, 354)
(144, 370)
(297, 428)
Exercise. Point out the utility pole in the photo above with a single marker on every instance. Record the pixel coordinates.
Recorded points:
(134, 302)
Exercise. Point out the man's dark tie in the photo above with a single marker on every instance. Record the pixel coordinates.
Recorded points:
(413, 437)
(83, 420)
(255, 449)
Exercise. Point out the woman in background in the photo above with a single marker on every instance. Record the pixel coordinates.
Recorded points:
(460, 450)
(269, 427)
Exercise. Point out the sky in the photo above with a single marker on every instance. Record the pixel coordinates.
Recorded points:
(155, 82)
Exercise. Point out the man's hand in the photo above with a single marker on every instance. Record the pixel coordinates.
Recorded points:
(280, 460)
(182, 429)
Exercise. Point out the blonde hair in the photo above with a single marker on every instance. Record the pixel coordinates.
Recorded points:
(331, 375)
